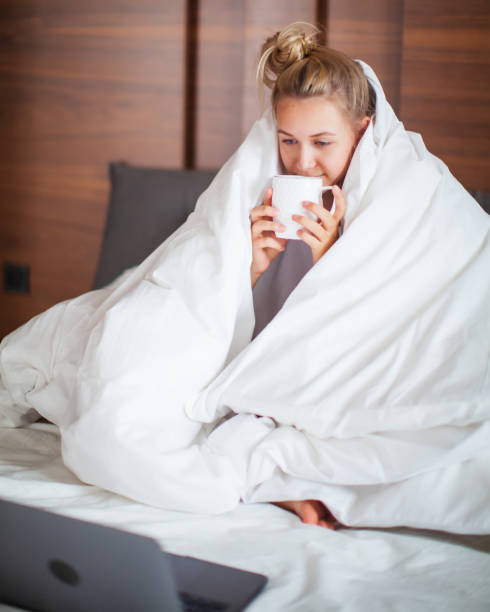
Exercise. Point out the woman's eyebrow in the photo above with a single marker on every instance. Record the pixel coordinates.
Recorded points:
(311, 136)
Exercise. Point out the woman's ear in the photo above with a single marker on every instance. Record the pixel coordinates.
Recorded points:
(365, 121)
(362, 126)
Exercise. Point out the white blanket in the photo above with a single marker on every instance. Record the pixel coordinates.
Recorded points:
(370, 390)
(309, 569)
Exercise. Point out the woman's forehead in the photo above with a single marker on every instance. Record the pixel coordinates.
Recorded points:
(313, 116)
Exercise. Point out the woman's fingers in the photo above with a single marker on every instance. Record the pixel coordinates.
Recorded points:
(268, 197)
(340, 203)
(266, 246)
(309, 239)
(262, 218)
(264, 242)
(324, 217)
(319, 227)
(262, 225)
(322, 232)
(263, 211)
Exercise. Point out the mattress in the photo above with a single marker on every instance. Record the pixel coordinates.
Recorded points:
(309, 568)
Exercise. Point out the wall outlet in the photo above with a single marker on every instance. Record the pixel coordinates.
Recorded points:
(16, 277)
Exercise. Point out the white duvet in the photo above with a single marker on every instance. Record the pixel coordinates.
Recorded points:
(369, 390)
(309, 569)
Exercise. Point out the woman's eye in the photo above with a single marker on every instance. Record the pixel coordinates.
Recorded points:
(288, 140)
(322, 143)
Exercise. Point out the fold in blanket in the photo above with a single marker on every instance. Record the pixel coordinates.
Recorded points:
(369, 390)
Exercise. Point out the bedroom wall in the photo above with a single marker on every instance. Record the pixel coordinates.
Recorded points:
(445, 86)
(82, 83)
(171, 84)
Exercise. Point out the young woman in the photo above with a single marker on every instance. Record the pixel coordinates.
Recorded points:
(323, 103)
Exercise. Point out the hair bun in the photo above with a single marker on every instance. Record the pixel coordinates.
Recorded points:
(292, 44)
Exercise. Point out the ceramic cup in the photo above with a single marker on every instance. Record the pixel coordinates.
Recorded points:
(288, 193)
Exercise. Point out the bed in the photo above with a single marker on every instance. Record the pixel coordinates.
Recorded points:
(309, 568)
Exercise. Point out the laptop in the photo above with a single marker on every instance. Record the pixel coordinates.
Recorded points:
(52, 563)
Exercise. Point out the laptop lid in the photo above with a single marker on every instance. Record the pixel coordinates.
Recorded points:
(52, 563)
(56, 563)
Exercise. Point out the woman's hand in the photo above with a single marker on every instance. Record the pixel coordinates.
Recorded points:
(321, 234)
(265, 246)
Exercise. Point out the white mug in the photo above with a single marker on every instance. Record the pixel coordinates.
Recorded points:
(288, 192)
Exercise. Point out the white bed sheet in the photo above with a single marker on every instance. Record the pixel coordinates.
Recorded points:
(309, 568)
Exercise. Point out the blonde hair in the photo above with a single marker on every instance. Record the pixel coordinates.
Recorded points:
(293, 63)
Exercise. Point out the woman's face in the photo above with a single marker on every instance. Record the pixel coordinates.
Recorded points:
(316, 138)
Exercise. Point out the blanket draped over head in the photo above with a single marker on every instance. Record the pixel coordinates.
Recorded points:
(369, 390)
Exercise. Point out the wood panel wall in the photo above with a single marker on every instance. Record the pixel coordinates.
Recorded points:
(230, 38)
(172, 84)
(81, 84)
(445, 88)
(373, 32)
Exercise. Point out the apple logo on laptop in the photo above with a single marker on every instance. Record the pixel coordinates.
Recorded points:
(64, 572)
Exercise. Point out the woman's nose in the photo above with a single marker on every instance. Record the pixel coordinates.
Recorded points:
(305, 160)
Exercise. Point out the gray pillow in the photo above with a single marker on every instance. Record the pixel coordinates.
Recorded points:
(146, 206)
(483, 199)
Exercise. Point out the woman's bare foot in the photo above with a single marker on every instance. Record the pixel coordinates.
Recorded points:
(311, 511)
